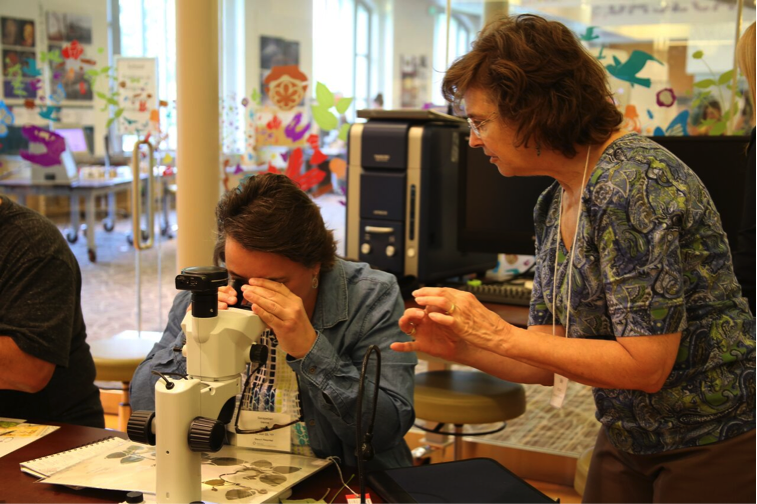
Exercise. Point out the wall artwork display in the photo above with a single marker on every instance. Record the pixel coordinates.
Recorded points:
(66, 27)
(276, 52)
(414, 78)
(18, 32)
(19, 58)
(69, 72)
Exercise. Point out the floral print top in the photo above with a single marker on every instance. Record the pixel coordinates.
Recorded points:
(651, 258)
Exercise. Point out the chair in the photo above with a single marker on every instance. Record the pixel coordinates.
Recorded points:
(464, 398)
(582, 471)
(116, 359)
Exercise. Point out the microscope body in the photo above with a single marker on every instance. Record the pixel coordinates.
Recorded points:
(191, 411)
(217, 351)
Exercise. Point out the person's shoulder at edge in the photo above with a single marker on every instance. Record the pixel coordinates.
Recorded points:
(37, 234)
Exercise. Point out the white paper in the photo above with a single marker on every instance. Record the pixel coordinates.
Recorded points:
(276, 440)
(232, 474)
(559, 389)
(17, 434)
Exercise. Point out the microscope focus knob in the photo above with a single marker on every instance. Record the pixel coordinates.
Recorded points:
(206, 435)
(139, 428)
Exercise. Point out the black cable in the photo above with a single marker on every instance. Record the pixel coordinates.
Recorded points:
(364, 449)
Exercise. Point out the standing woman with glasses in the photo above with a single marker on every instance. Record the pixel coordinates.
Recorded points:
(634, 292)
(323, 314)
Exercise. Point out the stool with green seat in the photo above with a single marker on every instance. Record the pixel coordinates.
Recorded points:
(466, 398)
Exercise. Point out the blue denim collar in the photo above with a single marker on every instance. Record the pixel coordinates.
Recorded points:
(331, 306)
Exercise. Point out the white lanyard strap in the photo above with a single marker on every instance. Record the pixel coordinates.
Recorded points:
(560, 386)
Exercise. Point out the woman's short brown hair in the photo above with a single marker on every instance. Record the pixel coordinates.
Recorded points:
(270, 213)
(542, 80)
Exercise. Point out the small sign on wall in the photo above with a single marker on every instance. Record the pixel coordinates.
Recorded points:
(137, 81)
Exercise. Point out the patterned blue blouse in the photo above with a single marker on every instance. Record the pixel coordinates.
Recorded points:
(651, 258)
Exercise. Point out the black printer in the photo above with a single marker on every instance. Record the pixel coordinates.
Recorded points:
(402, 194)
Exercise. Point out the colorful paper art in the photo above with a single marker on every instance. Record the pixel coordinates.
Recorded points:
(628, 70)
(6, 119)
(54, 146)
(286, 86)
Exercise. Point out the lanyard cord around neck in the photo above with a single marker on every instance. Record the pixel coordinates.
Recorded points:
(572, 253)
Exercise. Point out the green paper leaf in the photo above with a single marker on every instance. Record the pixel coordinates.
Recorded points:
(697, 55)
(119, 112)
(725, 78)
(703, 84)
(344, 131)
(343, 104)
(110, 121)
(718, 129)
(325, 97)
(100, 94)
(325, 119)
(707, 122)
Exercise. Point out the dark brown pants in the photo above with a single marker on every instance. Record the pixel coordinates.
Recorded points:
(718, 472)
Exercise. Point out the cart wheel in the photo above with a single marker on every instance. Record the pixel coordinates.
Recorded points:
(108, 225)
(130, 239)
(92, 255)
(72, 236)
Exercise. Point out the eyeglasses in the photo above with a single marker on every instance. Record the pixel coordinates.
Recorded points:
(476, 126)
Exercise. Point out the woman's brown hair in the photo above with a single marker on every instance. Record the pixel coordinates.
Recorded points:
(542, 81)
(270, 213)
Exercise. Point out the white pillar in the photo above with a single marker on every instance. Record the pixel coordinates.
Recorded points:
(198, 151)
(494, 9)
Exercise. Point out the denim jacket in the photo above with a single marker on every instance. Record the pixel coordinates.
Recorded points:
(356, 307)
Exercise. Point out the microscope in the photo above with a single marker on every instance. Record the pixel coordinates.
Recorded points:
(191, 412)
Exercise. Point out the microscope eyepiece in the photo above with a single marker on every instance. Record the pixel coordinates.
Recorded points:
(203, 282)
(202, 278)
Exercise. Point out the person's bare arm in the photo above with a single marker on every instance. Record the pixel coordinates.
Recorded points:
(21, 371)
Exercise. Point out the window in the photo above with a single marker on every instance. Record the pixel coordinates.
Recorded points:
(363, 70)
(461, 36)
(148, 29)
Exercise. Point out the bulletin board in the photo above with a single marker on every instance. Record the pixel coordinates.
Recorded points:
(137, 95)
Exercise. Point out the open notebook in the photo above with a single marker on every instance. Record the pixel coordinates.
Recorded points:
(44, 467)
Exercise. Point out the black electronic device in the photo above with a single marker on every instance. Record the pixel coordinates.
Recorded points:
(720, 163)
(508, 293)
(471, 480)
(203, 282)
(496, 212)
(402, 201)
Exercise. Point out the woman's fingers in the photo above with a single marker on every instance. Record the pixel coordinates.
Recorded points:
(265, 300)
(404, 346)
(442, 318)
(436, 303)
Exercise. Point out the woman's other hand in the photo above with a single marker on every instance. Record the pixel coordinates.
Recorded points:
(227, 297)
(284, 312)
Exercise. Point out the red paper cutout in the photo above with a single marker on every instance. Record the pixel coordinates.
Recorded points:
(274, 123)
(318, 157)
(72, 51)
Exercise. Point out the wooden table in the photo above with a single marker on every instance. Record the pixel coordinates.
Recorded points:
(17, 486)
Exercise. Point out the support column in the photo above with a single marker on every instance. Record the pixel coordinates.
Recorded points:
(198, 154)
(494, 9)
